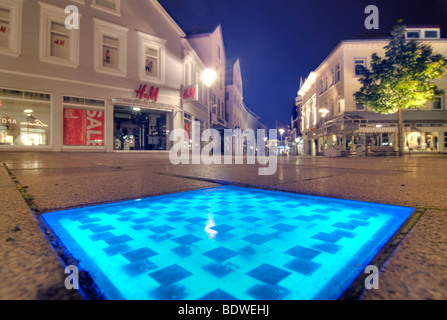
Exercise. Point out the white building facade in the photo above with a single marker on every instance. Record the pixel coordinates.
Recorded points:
(210, 48)
(116, 84)
(234, 95)
(195, 94)
(332, 120)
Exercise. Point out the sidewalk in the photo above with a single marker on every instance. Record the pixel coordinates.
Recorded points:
(29, 269)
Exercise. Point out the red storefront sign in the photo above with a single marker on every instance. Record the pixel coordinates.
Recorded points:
(73, 127)
(144, 92)
(83, 127)
(94, 128)
(191, 93)
(187, 128)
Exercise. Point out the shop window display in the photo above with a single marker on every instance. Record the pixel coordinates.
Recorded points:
(141, 129)
(83, 122)
(423, 141)
(25, 119)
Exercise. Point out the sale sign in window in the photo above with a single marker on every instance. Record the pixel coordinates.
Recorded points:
(83, 127)
(94, 128)
(73, 127)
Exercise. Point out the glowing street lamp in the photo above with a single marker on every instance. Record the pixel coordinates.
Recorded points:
(209, 76)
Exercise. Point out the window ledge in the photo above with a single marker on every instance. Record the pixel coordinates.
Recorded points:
(60, 62)
(111, 72)
(9, 52)
(104, 9)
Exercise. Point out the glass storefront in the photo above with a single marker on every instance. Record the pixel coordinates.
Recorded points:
(141, 129)
(423, 141)
(25, 118)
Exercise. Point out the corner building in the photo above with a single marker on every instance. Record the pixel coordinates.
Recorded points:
(332, 120)
(111, 85)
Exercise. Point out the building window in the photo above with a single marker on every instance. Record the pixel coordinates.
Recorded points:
(320, 86)
(83, 122)
(152, 57)
(218, 52)
(25, 118)
(431, 34)
(57, 44)
(359, 107)
(413, 34)
(325, 82)
(359, 65)
(337, 73)
(10, 27)
(339, 104)
(332, 77)
(331, 107)
(110, 48)
(438, 104)
(213, 102)
(110, 6)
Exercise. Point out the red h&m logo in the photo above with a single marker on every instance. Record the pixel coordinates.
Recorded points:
(151, 94)
(59, 42)
(190, 93)
(3, 29)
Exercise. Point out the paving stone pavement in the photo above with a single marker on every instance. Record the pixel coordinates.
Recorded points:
(30, 269)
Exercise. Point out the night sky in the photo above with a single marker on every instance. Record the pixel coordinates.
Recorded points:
(279, 41)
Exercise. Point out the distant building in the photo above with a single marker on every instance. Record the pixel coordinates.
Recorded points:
(234, 95)
(296, 139)
(331, 120)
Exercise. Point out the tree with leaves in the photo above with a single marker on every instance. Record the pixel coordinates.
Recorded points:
(402, 79)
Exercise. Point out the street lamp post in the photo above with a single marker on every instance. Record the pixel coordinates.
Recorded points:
(324, 113)
(208, 78)
(281, 132)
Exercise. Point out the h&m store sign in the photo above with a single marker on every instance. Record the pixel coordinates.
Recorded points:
(191, 93)
(150, 93)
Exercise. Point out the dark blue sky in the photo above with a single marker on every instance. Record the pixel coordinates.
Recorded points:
(279, 41)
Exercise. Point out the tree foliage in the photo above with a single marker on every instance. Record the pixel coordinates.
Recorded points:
(401, 79)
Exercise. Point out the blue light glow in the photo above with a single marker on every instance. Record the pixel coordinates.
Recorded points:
(226, 243)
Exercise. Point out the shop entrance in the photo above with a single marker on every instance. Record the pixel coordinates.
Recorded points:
(140, 129)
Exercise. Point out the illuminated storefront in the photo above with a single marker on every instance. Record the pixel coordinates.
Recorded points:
(141, 129)
(354, 137)
(25, 119)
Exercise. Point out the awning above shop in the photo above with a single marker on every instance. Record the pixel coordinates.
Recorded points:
(144, 104)
(378, 124)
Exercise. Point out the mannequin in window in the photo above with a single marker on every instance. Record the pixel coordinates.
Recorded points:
(148, 65)
(107, 57)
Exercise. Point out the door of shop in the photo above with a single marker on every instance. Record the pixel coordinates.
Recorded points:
(139, 129)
